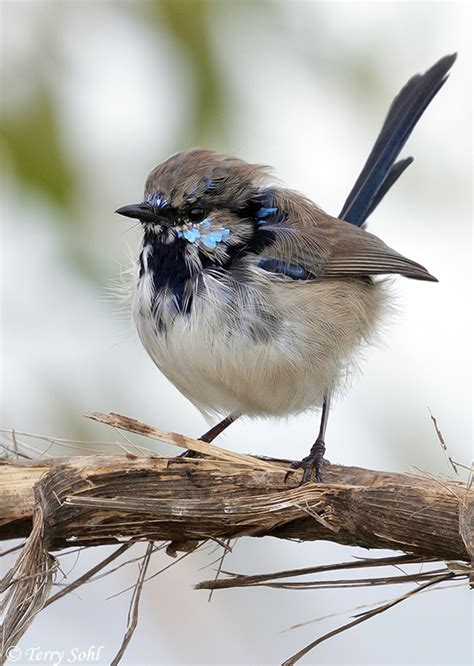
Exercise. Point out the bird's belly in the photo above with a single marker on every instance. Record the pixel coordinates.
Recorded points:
(230, 371)
(253, 359)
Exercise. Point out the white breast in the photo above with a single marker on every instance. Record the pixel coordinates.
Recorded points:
(270, 349)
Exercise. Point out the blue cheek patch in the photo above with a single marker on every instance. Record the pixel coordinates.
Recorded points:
(211, 238)
(192, 234)
(210, 241)
(208, 237)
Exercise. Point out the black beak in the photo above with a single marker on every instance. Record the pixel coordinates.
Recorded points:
(142, 211)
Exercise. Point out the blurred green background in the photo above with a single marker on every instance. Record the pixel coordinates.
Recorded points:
(93, 96)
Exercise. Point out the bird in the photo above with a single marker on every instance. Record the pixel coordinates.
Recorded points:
(250, 298)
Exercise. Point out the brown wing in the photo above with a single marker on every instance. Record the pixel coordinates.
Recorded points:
(327, 247)
(357, 252)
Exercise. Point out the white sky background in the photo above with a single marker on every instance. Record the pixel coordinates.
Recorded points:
(65, 349)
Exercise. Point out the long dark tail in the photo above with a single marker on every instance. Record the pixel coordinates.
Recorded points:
(381, 171)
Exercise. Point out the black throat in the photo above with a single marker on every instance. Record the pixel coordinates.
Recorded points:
(168, 268)
(166, 265)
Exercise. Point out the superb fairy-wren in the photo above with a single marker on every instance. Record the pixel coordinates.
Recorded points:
(251, 299)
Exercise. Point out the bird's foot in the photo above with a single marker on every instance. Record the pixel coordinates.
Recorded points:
(313, 464)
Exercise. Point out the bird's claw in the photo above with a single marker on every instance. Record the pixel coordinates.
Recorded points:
(313, 464)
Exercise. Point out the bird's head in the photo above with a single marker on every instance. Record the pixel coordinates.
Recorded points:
(211, 207)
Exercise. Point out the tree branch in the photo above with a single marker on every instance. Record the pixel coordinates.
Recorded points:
(103, 499)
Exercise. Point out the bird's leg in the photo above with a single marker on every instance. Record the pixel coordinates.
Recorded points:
(314, 462)
(216, 430)
(211, 434)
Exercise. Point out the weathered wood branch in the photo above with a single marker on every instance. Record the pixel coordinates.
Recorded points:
(104, 499)
(100, 499)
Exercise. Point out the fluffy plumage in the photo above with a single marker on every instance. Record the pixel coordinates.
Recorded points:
(265, 319)
(249, 297)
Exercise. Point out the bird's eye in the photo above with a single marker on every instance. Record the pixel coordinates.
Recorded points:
(197, 214)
